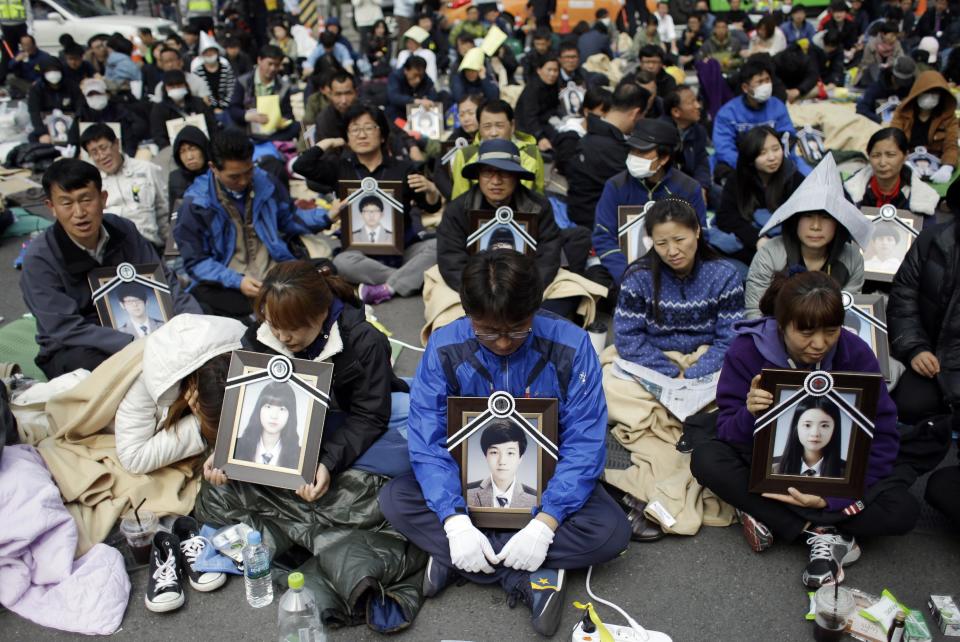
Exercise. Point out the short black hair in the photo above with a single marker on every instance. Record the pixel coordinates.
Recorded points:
(27, 35)
(167, 49)
(569, 45)
(754, 66)
(70, 174)
(144, 31)
(376, 201)
(674, 98)
(270, 51)
(502, 431)
(193, 30)
(415, 62)
(465, 38)
(501, 285)
(496, 106)
(543, 60)
(597, 97)
(358, 109)
(74, 50)
(96, 132)
(328, 39)
(230, 144)
(831, 38)
(838, 5)
(651, 51)
(542, 33)
(134, 290)
(629, 95)
(338, 76)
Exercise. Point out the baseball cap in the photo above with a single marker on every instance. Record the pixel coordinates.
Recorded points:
(651, 133)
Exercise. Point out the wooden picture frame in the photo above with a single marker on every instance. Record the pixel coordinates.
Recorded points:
(489, 226)
(390, 232)
(287, 390)
(448, 152)
(110, 285)
(426, 121)
(850, 397)
(630, 231)
(571, 99)
(894, 234)
(865, 315)
(534, 421)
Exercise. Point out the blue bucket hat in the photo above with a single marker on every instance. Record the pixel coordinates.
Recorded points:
(500, 154)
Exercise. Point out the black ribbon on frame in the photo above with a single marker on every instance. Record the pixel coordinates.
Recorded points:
(503, 216)
(126, 273)
(502, 405)
(369, 185)
(816, 384)
(866, 316)
(280, 370)
(637, 221)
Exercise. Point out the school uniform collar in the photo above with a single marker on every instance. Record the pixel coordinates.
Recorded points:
(816, 468)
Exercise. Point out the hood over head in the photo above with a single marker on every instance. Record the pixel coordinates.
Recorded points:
(194, 135)
(929, 81)
(766, 338)
(183, 344)
(823, 191)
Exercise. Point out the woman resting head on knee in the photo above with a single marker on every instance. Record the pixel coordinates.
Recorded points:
(172, 410)
(803, 331)
(307, 312)
(678, 297)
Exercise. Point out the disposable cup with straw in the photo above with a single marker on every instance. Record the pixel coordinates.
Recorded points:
(139, 530)
(834, 605)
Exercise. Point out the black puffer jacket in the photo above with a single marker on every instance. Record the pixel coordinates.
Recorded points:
(924, 308)
(362, 382)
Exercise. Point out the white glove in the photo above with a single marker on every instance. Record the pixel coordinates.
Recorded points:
(528, 548)
(470, 550)
(942, 175)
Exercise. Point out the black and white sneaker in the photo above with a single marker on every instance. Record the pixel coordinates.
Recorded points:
(437, 577)
(164, 592)
(191, 544)
(829, 553)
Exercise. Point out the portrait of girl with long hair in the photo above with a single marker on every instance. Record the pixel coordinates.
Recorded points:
(270, 437)
(814, 442)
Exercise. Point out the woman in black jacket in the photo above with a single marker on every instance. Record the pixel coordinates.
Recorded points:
(177, 103)
(764, 180)
(365, 153)
(191, 153)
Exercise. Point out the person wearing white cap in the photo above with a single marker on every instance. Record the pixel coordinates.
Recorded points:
(413, 39)
(213, 69)
(96, 107)
(928, 51)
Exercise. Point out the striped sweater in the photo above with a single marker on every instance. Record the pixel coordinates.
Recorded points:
(699, 309)
(221, 88)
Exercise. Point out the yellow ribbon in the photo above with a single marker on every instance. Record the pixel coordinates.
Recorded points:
(602, 631)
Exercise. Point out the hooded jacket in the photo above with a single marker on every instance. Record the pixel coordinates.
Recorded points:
(44, 98)
(182, 178)
(915, 195)
(943, 131)
(924, 308)
(172, 352)
(166, 110)
(400, 93)
(537, 104)
(555, 361)
(760, 345)
(362, 381)
(530, 160)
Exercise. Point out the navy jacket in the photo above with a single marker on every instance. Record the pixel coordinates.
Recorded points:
(460, 87)
(55, 288)
(400, 93)
(695, 161)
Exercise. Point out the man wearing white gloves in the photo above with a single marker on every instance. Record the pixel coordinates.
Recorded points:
(505, 343)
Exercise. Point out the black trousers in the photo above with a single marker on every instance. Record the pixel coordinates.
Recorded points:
(596, 533)
(11, 36)
(943, 492)
(222, 302)
(917, 397)
(724, 468)
(69, 359)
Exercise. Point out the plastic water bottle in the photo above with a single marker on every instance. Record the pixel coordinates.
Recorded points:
(256, 571)
(298, 617)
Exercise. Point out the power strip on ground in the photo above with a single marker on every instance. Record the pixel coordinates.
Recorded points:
(619, 633)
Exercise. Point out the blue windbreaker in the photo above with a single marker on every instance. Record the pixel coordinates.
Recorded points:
(207, 238)
(556, 361)
(736, 117)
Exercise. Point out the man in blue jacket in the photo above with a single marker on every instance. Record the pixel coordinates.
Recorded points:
(57, 263)
(756, 106)
(505, 343)
(234, 225)
(650, 176)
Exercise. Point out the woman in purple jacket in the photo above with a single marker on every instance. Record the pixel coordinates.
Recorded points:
(802, 329)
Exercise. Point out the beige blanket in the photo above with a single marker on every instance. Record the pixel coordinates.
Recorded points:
(843, 128)
(82, 454)
(659, 472)
(441, 305)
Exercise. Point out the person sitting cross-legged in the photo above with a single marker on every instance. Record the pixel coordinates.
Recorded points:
(505, 343)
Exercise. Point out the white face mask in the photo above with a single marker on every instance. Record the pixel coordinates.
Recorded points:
(97, 103)
(928, 101)
(53, 77)
(762, 93)
(640, 167)
(177, 94)
(211, 59)
(605, 22)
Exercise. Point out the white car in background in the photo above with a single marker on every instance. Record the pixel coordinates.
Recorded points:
(85, 18)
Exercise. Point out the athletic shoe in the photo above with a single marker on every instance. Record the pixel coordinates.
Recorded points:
(374, 294)
(547, 589)
(756, 533)
(164, 592)
(191, 544)
(437, 577)
(829, 553)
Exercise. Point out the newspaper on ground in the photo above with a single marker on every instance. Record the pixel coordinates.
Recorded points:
(681, 397)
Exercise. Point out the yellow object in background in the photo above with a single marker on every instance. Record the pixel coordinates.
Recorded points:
(269, 105)
(492, 41)
(678, 74)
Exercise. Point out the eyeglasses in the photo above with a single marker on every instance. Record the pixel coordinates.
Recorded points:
(100, 150)
(493, 336)
(490, 173)
(365, 131)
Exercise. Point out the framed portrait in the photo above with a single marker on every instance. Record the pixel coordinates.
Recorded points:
(449, 149)
(865, 315)
(817, 435)
(894, 232)
(503, 229)
(634, 242)
(58, 126)
(571, 98)
(134, 299)
(175, 125)
(373, 219)
(426, 121)
(507, 451)
(271, 425)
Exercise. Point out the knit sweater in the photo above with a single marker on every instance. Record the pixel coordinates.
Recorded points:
(220, 85)
(696, 310)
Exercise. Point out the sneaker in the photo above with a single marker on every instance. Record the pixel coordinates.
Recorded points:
(547, 589)
(191, 544)
(164, 592)
(375, 294)
(437, 577)
(758, 536)
(829, 553)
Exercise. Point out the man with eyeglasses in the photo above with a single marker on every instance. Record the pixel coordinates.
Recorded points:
(505, 343)
(496, 120)
(57, 263)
